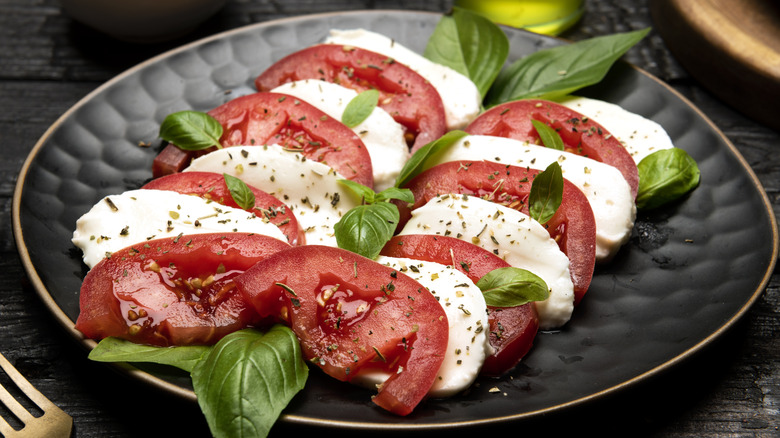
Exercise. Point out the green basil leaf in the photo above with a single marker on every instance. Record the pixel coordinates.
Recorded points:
(511, 287)
(366, 193)
(550, 137)
(546, 193)
(664, 176)
(370, 197)
(404, 195)
(191, 130)
(469, 44)
(366, 229)
(359, 108)
(561, 70)
(248, 378)
(240, 192)
(113, 349)
(416, 163)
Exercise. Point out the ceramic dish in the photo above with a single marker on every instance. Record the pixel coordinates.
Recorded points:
(689, 272)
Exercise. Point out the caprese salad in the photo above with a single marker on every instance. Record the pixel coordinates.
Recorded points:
(363, 212)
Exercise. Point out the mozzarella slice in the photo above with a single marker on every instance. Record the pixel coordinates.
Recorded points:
(383, 136)
(607, 191)
(135, 216)
(312, 190)
(466, 312)
(640, 136)
(508, 233)
(460, 96)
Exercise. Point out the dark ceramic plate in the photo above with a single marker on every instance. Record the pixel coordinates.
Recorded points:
(689, 272)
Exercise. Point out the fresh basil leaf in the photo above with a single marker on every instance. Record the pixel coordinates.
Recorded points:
(389, 193)
(191, 130)
(114, 349)
(240, 192)
(469, 44)
(550, 137)
(246, 381)
(511, 287)
(561, 70)
(359, 108)
(546, 193)
(444, 46)
(416, 163)
(665, 175)
(366, 193)
(365, 229)
(370, 197)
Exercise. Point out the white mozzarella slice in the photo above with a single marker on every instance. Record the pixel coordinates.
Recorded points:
(383, 136)
(135, 216)
(640, 136)
(312, 190)
(466, 311)
(607, 191)
(508, 233)
(459, 94)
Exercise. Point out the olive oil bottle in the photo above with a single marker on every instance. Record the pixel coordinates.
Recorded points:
(549, 17)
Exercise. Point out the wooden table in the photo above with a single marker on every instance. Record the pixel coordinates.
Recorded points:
(48, 62)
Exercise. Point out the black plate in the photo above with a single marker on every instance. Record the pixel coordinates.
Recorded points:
(689, 272)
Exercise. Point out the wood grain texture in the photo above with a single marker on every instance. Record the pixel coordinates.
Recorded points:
(48, 62)
(732, 48)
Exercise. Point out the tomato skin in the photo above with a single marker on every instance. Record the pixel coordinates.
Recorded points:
(512, 329)
(212, 186)
(274, 118)
(171, 160)
(580, 134)
(268, 118)
(573, 226)
(133, 295)
(345, 308)
(404, 94)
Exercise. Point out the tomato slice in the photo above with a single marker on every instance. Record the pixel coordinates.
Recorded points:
(573, 226)
(581, 135)
(212, 186)
(512, 329)
(171, 160)
(352, 315)
(176, 291)
(404, 94)
(274, 118)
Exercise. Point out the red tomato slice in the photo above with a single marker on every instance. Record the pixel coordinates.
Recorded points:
(408, 97)
(580, 134)
(273, 118)
(176, 291)
(353, 314)
(171, 159)
(573, 227)
(512, 329)
(212, 186)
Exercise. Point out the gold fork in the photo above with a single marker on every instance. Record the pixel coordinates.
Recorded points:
(53, 423)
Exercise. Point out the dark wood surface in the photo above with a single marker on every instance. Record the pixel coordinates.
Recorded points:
(48, 62)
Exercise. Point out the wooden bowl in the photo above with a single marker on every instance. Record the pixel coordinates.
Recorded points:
(731, 47)
(142, 20)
